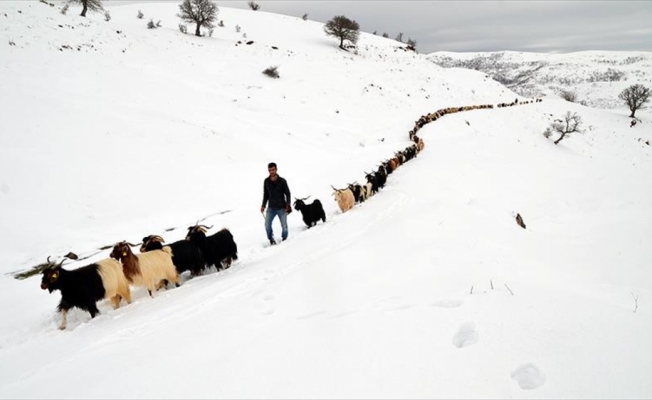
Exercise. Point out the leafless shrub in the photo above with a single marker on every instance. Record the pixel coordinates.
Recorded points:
(65, 8)
(183, 28)
(610, 75)
(272, 72)
(152, 25)
(399, 37)
(107, 16)
(568, 95)
(140, 14)
(237, 28)
(412, 44)
(221, 24)
(569, 123)
(253, 5)
(386, 35)
(632, 60)
(305, 17)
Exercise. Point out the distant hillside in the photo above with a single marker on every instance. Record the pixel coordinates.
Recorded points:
(597, 77)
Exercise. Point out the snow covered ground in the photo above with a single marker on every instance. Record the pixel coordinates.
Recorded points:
(112, 131)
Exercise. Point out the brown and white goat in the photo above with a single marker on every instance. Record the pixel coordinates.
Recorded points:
(148, 269)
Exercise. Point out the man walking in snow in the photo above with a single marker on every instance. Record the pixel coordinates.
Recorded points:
(277, 192)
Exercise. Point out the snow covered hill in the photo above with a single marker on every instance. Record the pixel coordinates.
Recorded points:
(596, 77)
(113, 131)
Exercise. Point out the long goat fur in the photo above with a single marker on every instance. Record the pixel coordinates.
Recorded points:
(115, 282)
(146, 269)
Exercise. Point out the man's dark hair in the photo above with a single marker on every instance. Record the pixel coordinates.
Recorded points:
(271, 165)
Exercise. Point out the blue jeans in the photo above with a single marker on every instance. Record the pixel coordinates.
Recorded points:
(269, 217)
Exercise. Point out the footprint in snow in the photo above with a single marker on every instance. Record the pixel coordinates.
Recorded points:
(448, 303)
(311, 315)
(529, 376)
(466, 335)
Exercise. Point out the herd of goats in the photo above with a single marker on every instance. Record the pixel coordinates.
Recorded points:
(159, 264)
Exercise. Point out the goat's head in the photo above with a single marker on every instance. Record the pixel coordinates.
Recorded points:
(122, 250)
(197, 230)
(299, 204)
(50, 279)
(151, 242)
(337, 193)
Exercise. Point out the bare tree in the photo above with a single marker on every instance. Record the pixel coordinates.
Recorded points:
(140, 14)
(568, 95)
(343, 28)
(107, 16)
(569, 123)
(412, 44)
(252, 4)
(305, 17)
(201, 12)
(635, 96)
(385, 35)
(399, 37)
(92, 5)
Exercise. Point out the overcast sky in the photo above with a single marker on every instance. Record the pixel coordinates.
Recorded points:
(485, 25)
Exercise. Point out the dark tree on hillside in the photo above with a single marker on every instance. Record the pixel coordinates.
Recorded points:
(635, 96)
(570, 123)
(201, 12)
(343, 28)
(92, 5)
(412, 44)
(253, 5)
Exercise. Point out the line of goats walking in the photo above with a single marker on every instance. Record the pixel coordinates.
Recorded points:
(159, 264)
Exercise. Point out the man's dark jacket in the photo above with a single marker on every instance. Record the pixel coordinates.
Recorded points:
(276, 192)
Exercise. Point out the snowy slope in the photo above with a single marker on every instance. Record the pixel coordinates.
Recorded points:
(596, 77)
(392, 299)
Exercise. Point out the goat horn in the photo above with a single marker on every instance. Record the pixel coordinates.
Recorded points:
(206, 227)
(132, 245)
(157, 237)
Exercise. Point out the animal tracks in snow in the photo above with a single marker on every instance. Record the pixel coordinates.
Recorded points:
(268, 308)
(466, 335)
(529, 376)
(447, 303)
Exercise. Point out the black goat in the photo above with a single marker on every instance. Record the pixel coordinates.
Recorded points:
(219, 249)
(186, 255)
(83, 287)
(311, 212)
(357, 193)
(381, 176)
(371, 178)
